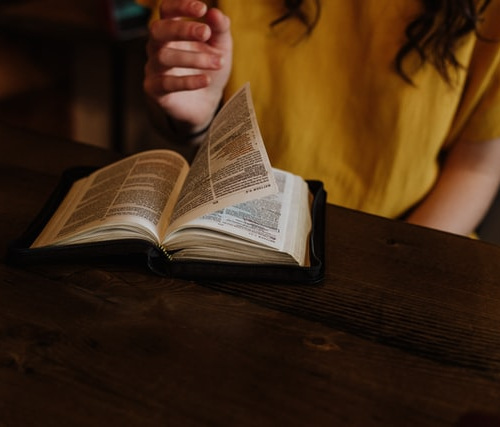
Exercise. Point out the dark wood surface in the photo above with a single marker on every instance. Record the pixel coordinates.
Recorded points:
(404, 331)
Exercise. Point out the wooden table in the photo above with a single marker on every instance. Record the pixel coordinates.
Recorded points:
(404, 331)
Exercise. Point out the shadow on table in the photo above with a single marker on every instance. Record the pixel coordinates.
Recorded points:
(489, 230)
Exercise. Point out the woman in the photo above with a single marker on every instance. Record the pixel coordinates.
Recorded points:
(394, 104)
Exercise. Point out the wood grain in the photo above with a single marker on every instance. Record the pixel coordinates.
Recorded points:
(404, 331)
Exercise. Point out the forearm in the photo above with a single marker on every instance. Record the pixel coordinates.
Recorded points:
(465, 189)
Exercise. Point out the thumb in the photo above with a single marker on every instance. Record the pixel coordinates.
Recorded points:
(220, 25)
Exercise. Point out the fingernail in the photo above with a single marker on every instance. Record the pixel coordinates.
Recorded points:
(201, 32)
(198, 8)
(217, 60)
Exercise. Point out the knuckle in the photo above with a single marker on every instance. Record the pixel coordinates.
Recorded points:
(162, 55)
(155, 30)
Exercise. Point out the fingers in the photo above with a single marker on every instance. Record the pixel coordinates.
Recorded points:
(159, 85)
(218, 22)
(170, 9)
(164, 31)
(182, 55)
(161, 79)
(219, 25)
(172, 28)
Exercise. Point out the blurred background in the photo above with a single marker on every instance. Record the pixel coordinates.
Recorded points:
(74, 69)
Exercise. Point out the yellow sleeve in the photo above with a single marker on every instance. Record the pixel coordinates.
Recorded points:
(478, 118)
(484, 121)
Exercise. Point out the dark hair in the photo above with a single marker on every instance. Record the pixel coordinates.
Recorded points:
(433, 35)
(294, 9)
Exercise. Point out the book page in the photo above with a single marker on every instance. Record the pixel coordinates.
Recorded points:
(230, 167)
(129, 198)
(281, 221)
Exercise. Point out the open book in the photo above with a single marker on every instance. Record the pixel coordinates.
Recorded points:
(229, 207)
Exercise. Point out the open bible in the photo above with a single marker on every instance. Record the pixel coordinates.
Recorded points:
(227, 215)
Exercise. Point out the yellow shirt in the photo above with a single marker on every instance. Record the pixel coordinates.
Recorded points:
(331, 107)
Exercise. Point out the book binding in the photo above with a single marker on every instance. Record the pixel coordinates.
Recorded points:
(136, 251)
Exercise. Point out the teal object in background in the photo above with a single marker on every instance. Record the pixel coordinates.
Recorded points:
(126, 9)
(129, 19)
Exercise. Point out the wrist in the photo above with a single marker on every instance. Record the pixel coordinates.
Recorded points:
(199, 133)
(185, 133)
(188, 133)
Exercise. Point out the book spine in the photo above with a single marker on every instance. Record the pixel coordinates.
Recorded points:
(166, 252)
